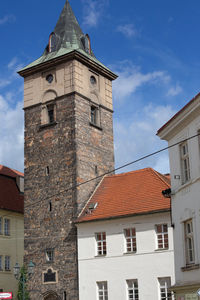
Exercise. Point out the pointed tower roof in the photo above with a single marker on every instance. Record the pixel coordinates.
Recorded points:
(68, 31)
(66, 39)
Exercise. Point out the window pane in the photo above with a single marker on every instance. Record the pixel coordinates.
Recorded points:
(130, 236)
(162, 236)
(165, 283)
(132, 289)
(189, 242)
(101, 243)
(6, 226)
(102, 290)
(7, 263)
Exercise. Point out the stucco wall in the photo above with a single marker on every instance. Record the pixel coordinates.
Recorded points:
(185, 198)
(12, 246)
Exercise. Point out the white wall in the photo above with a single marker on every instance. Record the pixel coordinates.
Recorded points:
(185, 199)
(146, 265)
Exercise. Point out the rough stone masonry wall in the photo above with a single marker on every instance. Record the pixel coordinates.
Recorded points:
(94, 147)
(52, 146)
(71, 149)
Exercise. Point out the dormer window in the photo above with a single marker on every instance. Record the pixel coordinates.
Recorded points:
(86, 43)
(52, 42)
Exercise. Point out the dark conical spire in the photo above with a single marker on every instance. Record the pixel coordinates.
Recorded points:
(68, 32)
(66, 38)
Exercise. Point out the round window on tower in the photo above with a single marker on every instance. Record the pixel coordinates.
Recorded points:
(49, 78)
(93, 80)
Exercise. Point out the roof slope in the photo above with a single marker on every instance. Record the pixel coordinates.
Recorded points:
(67, 29)
(10, 197)
(132, 193)
(10, 172)
(178, 113)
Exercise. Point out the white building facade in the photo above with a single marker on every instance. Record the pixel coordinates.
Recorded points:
(126, 257)
(185, 189)
(143, 272)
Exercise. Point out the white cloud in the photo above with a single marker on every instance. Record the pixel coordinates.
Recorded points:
(174, 91)
(130, 78)
(7, 19)
(128, 30)
(11, 134)
(4, 82)
(12, 63)
(93, 10)
(136, 137)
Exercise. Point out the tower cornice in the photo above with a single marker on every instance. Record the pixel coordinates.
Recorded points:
(92, 63)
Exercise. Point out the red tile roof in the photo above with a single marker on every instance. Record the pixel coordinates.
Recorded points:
(174, 116)
(10, 172)
(10, 197)
(132, 193)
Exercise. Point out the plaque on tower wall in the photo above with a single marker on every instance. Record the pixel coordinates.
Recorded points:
(49, 276)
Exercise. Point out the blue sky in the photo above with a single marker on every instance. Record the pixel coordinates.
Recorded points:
(152, 45)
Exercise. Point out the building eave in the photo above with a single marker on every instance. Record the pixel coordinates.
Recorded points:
(180, 119)
(123, 216)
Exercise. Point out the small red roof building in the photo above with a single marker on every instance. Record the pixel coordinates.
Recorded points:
(10, 196)
(128, 194)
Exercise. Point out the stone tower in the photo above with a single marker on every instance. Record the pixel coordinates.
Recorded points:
(68, 140)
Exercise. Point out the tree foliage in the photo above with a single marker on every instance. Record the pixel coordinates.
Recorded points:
(22, 293)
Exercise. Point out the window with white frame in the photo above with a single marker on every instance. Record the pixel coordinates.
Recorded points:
(162, 236)
(164, 284)
(185, 164)
(1, 263)
(7, 227)
(132, 289)
(130, 237)
(189, 242)
(101, 243)
(102, 290)
(7, 263)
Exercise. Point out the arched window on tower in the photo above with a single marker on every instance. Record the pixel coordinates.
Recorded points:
(52, 42)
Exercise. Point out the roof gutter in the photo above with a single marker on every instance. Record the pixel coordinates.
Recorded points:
(125, 216)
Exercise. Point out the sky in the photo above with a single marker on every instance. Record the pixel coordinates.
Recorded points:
(153, 46)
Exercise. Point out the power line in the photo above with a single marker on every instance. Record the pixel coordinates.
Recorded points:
(116, 169)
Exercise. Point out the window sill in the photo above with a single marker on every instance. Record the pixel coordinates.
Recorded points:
(47, 125)
(161, 249)
(95, 125)
(130, 253)
(3, 236)
(190, 267)
(102, 255)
